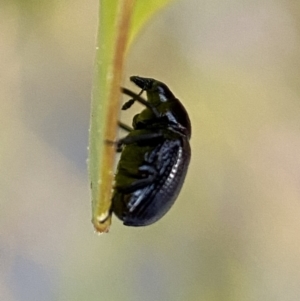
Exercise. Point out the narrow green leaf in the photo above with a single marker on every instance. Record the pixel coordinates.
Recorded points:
(143, 11)
(119, 21)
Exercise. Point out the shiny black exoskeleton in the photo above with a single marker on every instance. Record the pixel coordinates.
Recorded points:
(154, 155)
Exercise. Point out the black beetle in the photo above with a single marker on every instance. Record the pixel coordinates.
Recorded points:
(154, 155)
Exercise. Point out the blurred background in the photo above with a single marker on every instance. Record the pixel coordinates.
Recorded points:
(233, 233)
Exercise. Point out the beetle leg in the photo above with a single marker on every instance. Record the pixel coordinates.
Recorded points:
(115, 143)
(139, 138)
(132, 139)
(125, 127)
(152, 173)
(148, 174)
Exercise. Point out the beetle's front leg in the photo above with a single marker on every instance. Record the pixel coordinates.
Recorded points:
(130, 139)
(125, 127)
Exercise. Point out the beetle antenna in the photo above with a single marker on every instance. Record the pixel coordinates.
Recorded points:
(130, 102)
(141, 100)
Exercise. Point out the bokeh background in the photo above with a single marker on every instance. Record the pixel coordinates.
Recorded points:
(233, 233)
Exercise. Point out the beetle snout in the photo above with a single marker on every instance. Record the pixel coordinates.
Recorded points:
(142, 82)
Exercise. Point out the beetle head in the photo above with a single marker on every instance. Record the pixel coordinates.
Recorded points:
(157, 91)
(159, 95)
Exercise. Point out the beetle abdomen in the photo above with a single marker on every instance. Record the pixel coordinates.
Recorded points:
(165, 167)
